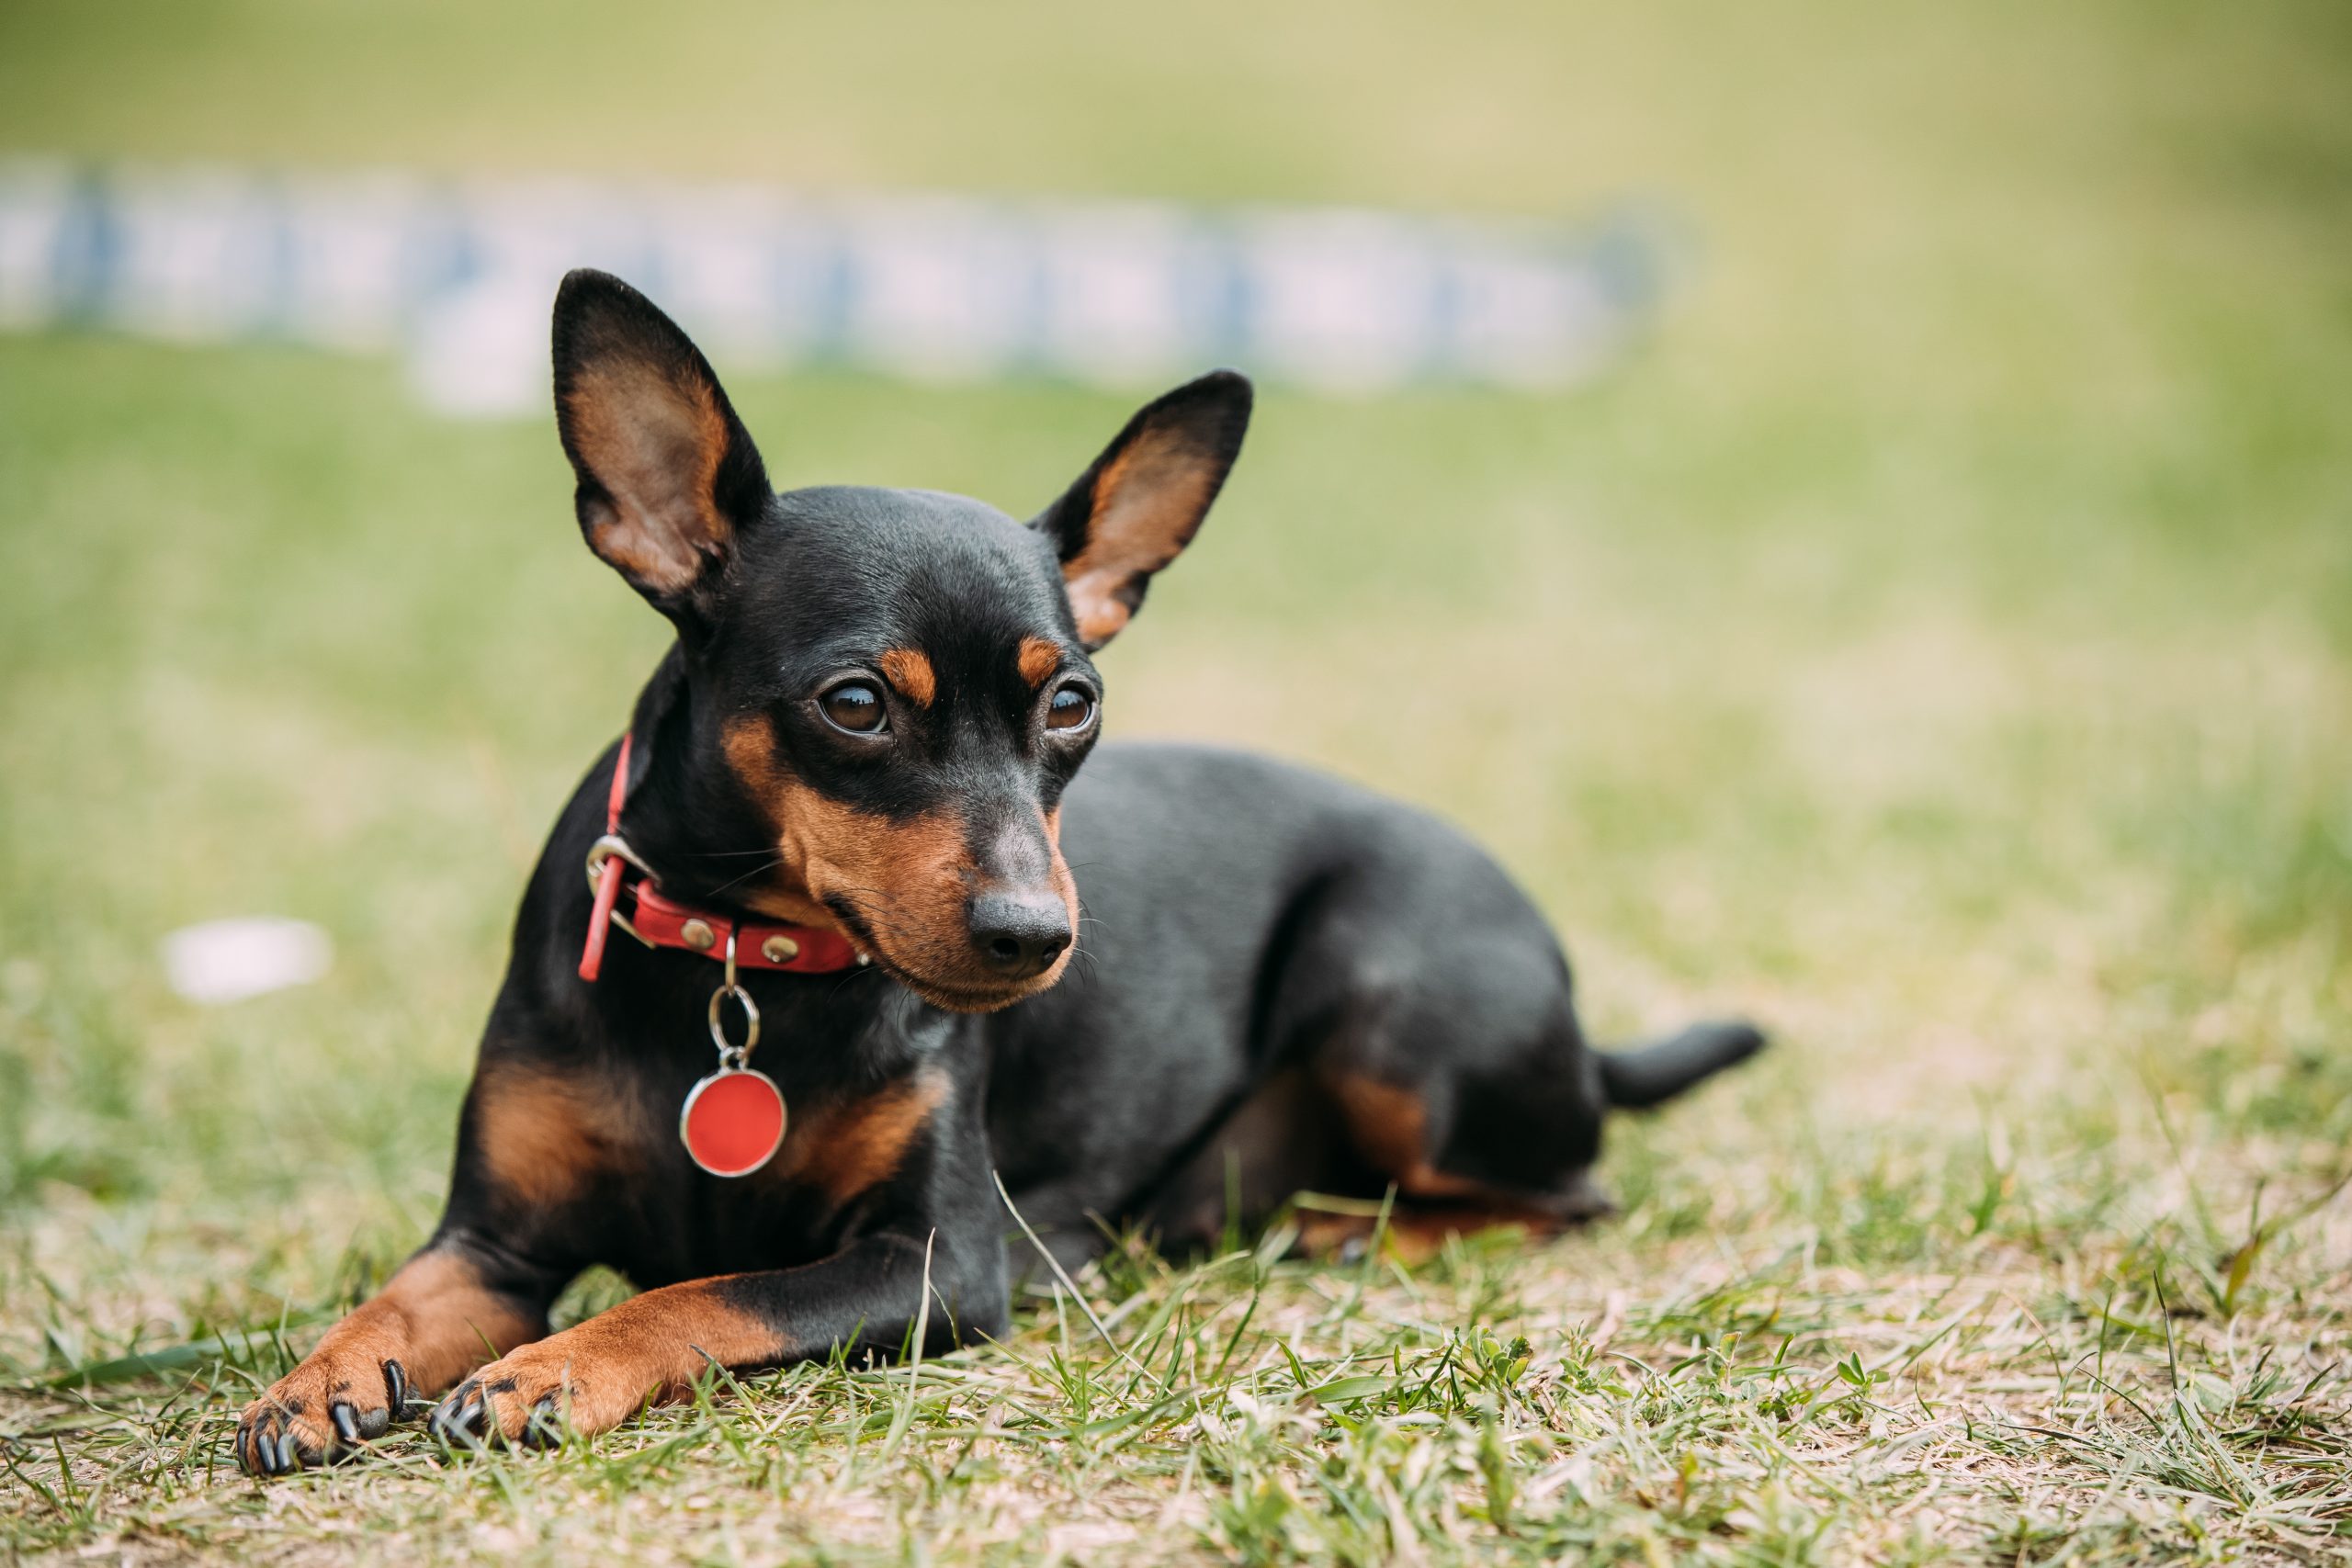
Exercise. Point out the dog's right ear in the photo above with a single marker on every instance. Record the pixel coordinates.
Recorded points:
(667, 473)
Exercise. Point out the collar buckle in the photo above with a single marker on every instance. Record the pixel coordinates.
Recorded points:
(611, 847)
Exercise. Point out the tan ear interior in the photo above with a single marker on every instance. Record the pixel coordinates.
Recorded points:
(653, 441)
(1149, 503)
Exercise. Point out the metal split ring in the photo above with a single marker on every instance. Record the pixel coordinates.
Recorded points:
(729, 1054)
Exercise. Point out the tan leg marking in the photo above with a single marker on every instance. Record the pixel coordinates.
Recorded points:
(435, 1318)
(1415, 1236)
(1389, 1125)
(652, 1345)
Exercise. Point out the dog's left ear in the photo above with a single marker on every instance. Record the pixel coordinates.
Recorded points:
(1143, 500)
(667, 473)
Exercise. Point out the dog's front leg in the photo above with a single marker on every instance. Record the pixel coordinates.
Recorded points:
(447, 1310)
(654, 1346)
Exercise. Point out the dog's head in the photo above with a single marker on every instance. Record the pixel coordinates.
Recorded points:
(882, 693)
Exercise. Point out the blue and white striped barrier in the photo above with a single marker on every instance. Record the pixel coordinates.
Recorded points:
(458, 275)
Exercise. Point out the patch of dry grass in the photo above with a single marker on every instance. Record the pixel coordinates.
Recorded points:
(1842, 1378)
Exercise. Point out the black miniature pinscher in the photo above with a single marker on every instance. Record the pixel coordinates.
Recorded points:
(839, 822)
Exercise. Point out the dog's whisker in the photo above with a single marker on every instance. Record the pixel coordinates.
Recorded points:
(755, 871)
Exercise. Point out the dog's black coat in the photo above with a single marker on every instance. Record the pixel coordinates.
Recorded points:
(1282, 981)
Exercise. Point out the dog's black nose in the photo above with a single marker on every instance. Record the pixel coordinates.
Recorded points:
(1020, 934)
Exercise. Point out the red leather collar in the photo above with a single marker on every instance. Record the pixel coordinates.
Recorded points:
(659, 921)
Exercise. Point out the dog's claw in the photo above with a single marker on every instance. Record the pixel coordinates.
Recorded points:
(545, 1428)
(321, 1414)
(396, 1389)
(455, 1423)
(268, 1446)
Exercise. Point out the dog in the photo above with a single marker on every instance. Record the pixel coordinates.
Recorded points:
(834, 855)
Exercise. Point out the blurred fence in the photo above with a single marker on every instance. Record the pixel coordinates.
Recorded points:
(458, 273)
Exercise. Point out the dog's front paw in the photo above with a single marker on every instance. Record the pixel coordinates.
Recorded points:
(530, 1395)
(328, 1407)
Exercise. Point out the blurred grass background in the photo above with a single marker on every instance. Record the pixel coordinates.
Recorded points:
(1936, 640)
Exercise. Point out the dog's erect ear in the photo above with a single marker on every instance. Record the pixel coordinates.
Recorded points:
(666, 472)
(1140, 503)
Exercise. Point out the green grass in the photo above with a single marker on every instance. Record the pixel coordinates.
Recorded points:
(1937, 642)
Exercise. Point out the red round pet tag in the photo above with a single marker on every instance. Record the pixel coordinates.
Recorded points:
(733, 1122)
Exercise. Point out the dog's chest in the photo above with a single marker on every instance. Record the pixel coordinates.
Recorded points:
(844, 1159)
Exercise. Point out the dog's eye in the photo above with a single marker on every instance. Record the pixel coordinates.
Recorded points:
(1071, 708)
(854, 705)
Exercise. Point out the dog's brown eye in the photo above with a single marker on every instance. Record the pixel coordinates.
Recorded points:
(1071, 708)
(854, 705)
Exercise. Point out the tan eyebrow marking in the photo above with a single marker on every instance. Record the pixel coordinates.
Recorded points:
(1039, 658)
(912, 673)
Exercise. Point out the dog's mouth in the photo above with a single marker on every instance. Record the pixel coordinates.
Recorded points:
(955, 991)
(961, 996)
(956, 999)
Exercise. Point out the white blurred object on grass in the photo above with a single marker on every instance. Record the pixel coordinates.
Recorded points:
(227, 961)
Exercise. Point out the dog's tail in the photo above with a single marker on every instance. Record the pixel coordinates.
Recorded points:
(1654, 1074)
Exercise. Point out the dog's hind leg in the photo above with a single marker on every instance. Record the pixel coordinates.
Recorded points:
(1416, 1231)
